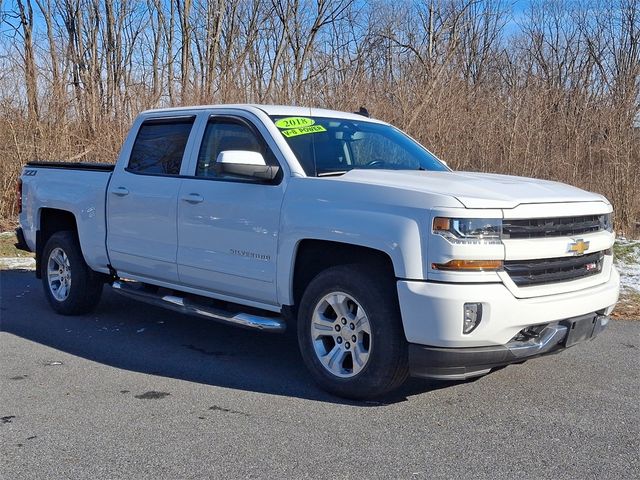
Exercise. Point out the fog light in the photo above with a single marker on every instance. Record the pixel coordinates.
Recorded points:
(472, 317)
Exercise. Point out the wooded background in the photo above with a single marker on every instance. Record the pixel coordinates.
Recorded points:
(547, 89)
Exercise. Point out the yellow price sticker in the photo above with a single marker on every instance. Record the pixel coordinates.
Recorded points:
(294, 132)
(294, 122)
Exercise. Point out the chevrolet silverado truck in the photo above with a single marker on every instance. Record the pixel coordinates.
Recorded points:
(336, 226)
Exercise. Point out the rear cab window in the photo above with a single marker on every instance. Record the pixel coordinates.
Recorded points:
(159, 146)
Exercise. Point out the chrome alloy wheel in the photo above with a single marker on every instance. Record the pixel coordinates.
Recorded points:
(341, 335)
(59, 274)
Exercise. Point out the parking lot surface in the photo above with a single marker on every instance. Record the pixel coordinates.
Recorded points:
(133, 391)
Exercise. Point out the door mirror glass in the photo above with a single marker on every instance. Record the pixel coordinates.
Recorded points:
(246, 164)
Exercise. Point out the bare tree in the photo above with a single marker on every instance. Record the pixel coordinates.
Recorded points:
(26, 24)
(553, 93)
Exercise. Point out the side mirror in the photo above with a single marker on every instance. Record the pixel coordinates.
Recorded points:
(243, 163)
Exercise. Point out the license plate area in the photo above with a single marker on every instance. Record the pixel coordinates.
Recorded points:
(579, 329)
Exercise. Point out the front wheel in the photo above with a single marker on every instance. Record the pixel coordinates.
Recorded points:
(350, 333)
(71, 287)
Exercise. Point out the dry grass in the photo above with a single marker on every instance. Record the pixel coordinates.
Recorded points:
(628, 307)
(553, 95)
(8, 249)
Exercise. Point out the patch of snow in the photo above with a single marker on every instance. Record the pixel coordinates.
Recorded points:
(18, 263)
(629, 268)
(630, 277)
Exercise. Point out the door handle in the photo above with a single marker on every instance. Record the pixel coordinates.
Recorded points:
(193, 198)
(120, 191)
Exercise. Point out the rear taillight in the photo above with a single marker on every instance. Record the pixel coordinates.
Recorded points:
(19, 192)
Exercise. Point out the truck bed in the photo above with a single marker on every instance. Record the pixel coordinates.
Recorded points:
(74, 187)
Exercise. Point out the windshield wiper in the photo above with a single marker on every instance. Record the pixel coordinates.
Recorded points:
(331, 174)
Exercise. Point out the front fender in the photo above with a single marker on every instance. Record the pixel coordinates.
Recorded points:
(393, 220)
(397, 236)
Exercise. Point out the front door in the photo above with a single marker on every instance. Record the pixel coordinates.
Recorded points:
(228, 227)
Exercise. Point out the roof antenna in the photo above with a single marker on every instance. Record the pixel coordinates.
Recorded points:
(364, 112)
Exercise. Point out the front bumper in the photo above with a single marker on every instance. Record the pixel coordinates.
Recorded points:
(461, 363)
(432, 312)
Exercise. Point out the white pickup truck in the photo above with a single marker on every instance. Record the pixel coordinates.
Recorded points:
(331, 224)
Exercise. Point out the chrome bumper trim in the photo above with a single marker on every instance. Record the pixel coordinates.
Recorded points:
(549, 338)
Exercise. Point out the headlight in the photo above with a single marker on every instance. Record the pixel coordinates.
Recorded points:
(606, 222)
(469, 230)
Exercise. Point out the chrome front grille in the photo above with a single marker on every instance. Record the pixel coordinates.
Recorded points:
(551, 270)
(554, 227)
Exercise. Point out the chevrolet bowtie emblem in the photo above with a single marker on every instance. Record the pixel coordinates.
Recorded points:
(579, 247)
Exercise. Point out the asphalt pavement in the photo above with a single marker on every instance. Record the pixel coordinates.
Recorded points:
(136, 392)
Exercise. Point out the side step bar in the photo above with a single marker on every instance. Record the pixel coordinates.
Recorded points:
(190, 307)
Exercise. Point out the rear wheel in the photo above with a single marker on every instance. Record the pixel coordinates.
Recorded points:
(350, 332)
(71, 287)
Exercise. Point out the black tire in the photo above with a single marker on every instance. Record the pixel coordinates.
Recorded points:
(387, 364)
(85, 286)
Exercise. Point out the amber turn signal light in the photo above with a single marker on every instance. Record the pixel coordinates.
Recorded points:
(441, 223)
(469, 265)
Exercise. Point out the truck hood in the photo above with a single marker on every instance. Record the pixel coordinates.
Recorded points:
(475, 190)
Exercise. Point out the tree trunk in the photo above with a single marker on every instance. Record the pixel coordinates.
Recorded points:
(26, 22)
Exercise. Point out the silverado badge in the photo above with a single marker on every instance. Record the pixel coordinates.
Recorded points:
(578, 247)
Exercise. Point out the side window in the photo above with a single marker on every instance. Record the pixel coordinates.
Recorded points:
(159, 146)
(228, 134)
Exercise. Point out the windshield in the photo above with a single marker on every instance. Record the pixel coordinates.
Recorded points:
(333, 146)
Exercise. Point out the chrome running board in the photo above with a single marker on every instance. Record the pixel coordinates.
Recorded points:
(191, 307)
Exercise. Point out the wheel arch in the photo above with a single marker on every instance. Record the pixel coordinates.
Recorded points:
(50, 221)
(311, 258)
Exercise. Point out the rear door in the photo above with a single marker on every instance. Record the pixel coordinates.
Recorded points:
(142, 200)
(228, 227)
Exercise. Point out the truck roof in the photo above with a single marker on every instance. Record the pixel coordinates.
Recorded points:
(276, 110)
